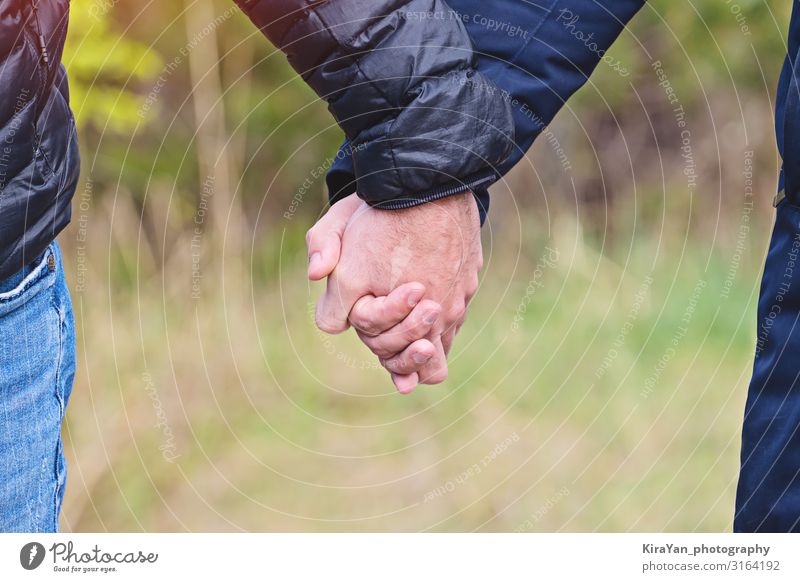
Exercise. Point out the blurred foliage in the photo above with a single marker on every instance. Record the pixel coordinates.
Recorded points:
(702, 46)
(718, 56)
(131, 88)
(105, 68)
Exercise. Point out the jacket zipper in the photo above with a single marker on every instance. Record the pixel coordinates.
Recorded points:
(44, 71)
(42, 44)
(439, 193)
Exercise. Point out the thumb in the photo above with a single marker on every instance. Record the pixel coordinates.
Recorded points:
(333, 309)
(324, 239)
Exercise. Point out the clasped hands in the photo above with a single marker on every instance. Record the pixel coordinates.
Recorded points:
(401, 278)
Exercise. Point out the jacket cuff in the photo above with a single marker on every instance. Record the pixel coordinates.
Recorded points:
(341, 182)
(481, 180)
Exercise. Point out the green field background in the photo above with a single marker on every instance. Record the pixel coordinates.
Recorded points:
(598, 384)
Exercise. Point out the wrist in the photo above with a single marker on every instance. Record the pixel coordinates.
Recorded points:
(455, 210)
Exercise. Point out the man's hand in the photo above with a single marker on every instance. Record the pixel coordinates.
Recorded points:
(387, 260)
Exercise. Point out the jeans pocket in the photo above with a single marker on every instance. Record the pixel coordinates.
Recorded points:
(29, 282)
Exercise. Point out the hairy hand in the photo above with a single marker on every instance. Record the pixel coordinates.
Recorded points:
(386, 261)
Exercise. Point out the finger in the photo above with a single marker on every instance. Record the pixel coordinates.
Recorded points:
(435, 371)
(449, 335)
(373, 315)
(454, 318)
(412, 358)
(414, 327)
(447, 339)
(405, 383)
(324, 239)
(471, 289)
(335, 305)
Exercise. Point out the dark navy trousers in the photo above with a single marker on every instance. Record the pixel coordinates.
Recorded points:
(768, 497)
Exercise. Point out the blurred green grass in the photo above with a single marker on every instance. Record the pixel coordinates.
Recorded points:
(276, 426)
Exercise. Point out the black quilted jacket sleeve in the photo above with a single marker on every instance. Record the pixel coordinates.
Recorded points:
(399, 77)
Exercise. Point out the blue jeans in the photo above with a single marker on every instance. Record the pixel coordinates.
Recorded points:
(37, 367)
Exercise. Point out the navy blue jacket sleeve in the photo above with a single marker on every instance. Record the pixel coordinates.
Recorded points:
(399, 76)
(537, 53)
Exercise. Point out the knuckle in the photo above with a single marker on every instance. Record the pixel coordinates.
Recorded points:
(364, 325)
(412, 333)
(379, 313)
(425, 317)
(457, 312)
(381, 352)
(328, 325)
(428, 304)
(394, 365)
(376, 346)
(368, 321)
(358, 321)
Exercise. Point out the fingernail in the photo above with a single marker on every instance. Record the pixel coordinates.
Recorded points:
(430, 317)
(414, 297)
(420, 358)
